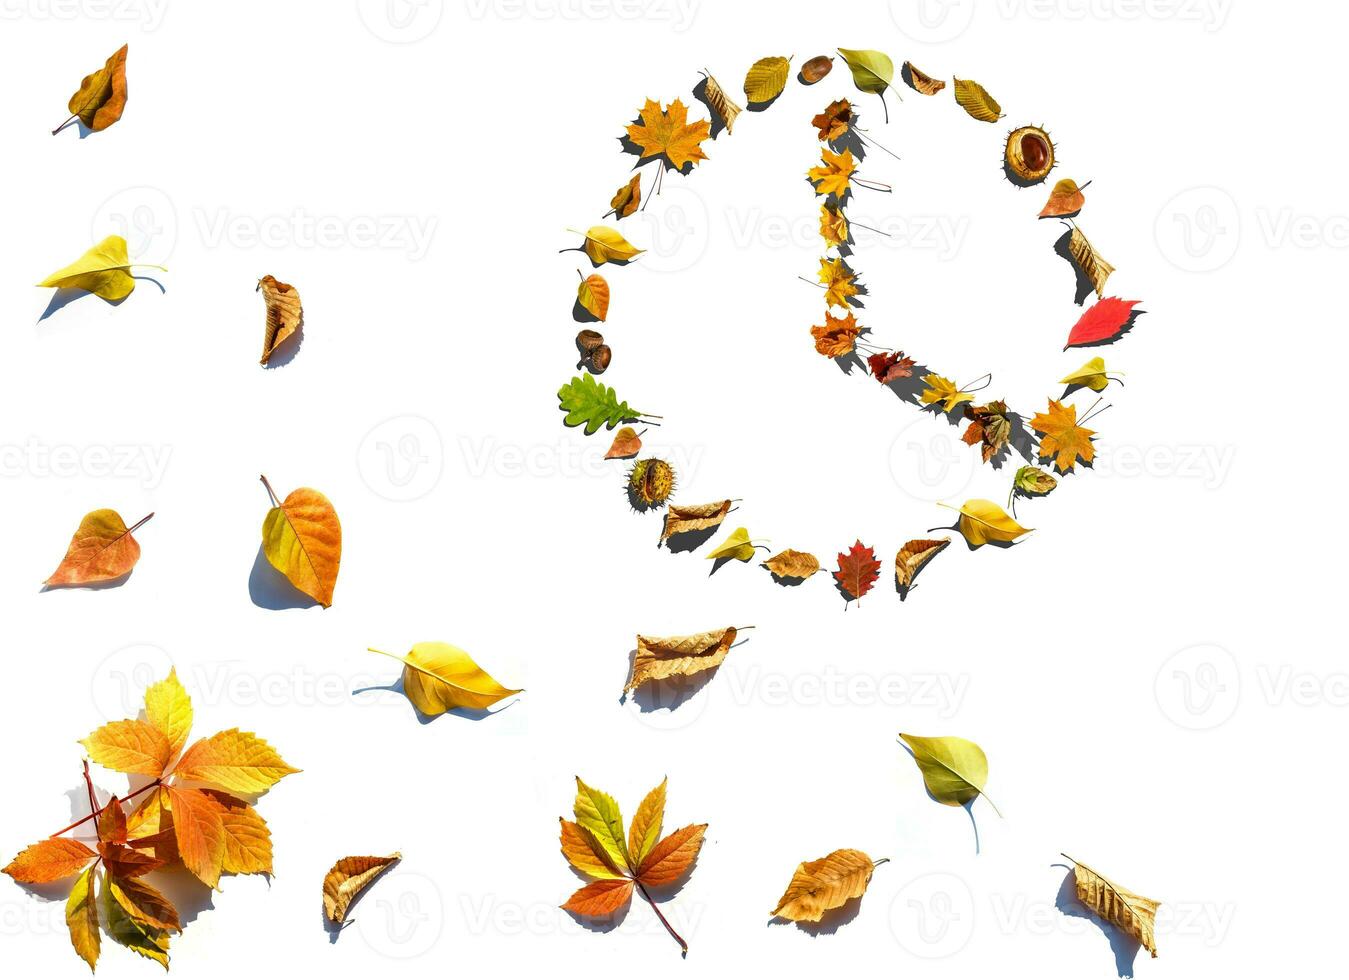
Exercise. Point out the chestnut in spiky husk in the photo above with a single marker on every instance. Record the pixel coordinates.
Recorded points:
(650, 483)
(1028, 156)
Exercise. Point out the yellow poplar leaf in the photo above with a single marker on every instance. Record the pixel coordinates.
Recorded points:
(102, 549)
(872, 71)
(919, 80)
(954, 769)
(235, 761)
(721, 103)
(102, 271)
(818, 886)
(586, 854)
(1128, 910)
(737, 545)
(766, 79)
(694, 517)
(1089, 261)
(975, 100)
(659, 657)
(350, 876)
(793, 564)
(598, 813)
(248, 840)
(198, 831)
(982, 521)
(132, 746)
(285, 315)
(627, 197)
(593, 295)
(438, 677)
(1090, 375)
(646, 824)
(302, 538)
(913, 556)
(604, 244)
(941, 391)
(49, 860)
(101, 97)
(169, 709)
(82, 918)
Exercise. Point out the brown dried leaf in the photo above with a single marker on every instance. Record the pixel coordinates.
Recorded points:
(284, 314)
(678, 656)
(721, 103)
(920, 81)
(818, 886)
(694, 517)
(346, 879)
(1133, 913)
(911, 559)
(1089, 261)
(793, 564)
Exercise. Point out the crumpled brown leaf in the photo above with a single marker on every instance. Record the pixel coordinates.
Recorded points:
(792, 564)
(346, 879)
(678, 656)
(1133, 913)
(284, 314)
(911, 559)
(694, 517)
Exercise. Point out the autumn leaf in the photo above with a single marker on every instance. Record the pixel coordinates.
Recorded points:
(595, 846)
(974, 99)
(833, 122)
(603, 244)
(438, 677)
(1090, 375)
(1093, 266)
(766, 79)
(943, 392)
(234, 761)
(348, 878)
(737, 545)
(668, 133)
(818, 886)
(954, 769)
(103, 271)
(858, 569)
(199, 833)
(1065, 200)
(872, 71)
(662, 657)
(790, 564)
(816, 68)
(1061, 437)
(302, 539)
(837, 337)
(626, 199)
(694, 517)
(920, 81)
(912, 558)
(1102, 322)
(627, 443)
(1117, 905)
(989, 425)
(101, 550)
(587, 401)
(593, 295)
(285, 316)
(1033, 481)
(834, 172)
(130, 746)
(82, 918)
(721, 103)
(833, 226)
(888, 366)
(49, 860)
(169, 709)
(101, 97)
(982, 521)
(837, 279)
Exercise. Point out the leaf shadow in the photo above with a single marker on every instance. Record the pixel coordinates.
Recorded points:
(1122, 945)
(269, 589)
(469, 714)
(603, 924)
(666, 694)
(63, 296)
(1083, 286)
(685, 541)
(829, 923)
(581, 315)
(285, 351)
(111, 583)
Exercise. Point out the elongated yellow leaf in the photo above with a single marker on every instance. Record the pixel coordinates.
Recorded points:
(737, 545)
(346, 879)
(598, 813)
(721, 103)
(766, 79)
(604, 244)
(235, 761)
(646, 825)
(439, 676)
(818, 886)
(1128, 910)
(103, 271)
(659, 657)
(82, 917)
(584, 853)
(982, 521)
(974, 99)
(872, 71)
(168, 708)
(954, 769)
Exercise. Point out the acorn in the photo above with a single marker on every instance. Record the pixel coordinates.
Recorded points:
(650, 483)
(595, 353)
(1028, 156)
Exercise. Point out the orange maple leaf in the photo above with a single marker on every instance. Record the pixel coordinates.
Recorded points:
(837, 337)
(668, 133)
(832, 176)
(834, 121)
(1061, 436)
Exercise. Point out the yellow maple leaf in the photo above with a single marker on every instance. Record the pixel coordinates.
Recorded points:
(943, 391)
(1061, 437)
(833, 226)
(668, 133)
(838, 282)
(832, 176)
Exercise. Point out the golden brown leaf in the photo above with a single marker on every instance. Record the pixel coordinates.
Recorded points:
(1065, 200)
(102, 549)
(101, 97)
(627, 443)
(1131, 912)
(626, 198)
(1089, 260)
(721, 103)
(346, 879)
(668, 133)
(793, 564)
(49, 860)
(837, 337)
(302, 539)
(766, 79)
(833, 226)
(670, 859)
(818, 886)
(975, 100)
(834, 121)
(694, 517)
(593, 295)
(1061, 437)
(284, 314)
(659, 657)
(920, 81)
(912, 557)
(834, 173)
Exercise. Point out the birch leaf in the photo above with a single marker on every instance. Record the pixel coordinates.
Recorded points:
(818, 886)
(766, 79)
(982, 521)
(604, 244)
(954, 769)
(737, 545)
(285, 316)
(721, 103)
(974, 99)
(872, 71)
(919, 80)
(913, 557)
(694, 517)
(101, 550)
(791, 564)
(660, 657)
(1117, 905)
(302, 539)
(103, 271)
(346, 879)
(1089, 261)
(438, 677)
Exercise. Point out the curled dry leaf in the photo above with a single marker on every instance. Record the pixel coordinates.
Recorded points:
(791, 564)
(919, 80)
(661, 657)
(737, 545)
(818, 886)
(888, 366)
(1065, 200)
(346, 879)
(1061, 438)
(302, 539)
(913, 557)
(1090, 375)
(103, 271)
(285, 316)
(982, 521)
(974, 99)
(101, 549)
(833, 123)
(838, 335)
(626, 198)
(766, 79)
(858, 569)
(721, 103)
(101, 97)
(668, 133)
(604, 244)
(1117, 905)
(1033, 481)
(816, 68)
(954, 769)
(694, 517)
(593, 295)
(1102, 322)
(627, 443)
(1085, 256)
(438, 677)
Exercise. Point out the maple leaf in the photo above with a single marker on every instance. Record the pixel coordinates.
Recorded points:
(833, 226)
(1102, 322)
(668, 133)
(837, 337)
(302, 539)
(890, 366)
(834, 173)
(941, 391)
(834, 121)
(989, 425)
(596, 846)
(1062, 438)
(857, 572)
(837, 279)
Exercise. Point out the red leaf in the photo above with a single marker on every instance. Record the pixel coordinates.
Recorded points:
(890, 367)
(857, 571)
(1103, 321)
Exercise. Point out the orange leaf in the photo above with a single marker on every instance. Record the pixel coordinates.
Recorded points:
(583, 853)
(248, 841)
(49, 860)
(600, 898)
(101, 97)
(858, 570)
(102, 549)
(112, 823)
(669, 859)
(667, 133)
(199, 831)
(302, 539)
(1062, 438)
(838, 335)
(235, 761)
(834, 173)
(834, 121)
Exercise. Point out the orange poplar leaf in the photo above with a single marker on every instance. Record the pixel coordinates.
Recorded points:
(302, 539)
(102, 549)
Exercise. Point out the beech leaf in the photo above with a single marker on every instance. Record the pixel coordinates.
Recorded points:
(1117, 905)
(694, 517)
(285, 316)
(919, 80)
(661, 657)
(766, 79)
(818, 886)
(721, 103)
(791, 564)
(974, 99)
(348, 878)
(912, 558)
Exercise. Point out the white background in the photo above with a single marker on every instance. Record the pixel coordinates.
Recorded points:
(1156, 673)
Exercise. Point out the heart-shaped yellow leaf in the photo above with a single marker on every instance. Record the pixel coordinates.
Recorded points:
(102, 271)
(302, 539)
(438, 677)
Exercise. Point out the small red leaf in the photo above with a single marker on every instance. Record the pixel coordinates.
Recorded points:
(857, 571)
(1103, 321)
(887, 367)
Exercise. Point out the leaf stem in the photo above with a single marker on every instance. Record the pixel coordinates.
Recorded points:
(391, 656)
(140, 522)
(275, 502)
(129, 797)
(63, 125)
(663, 921)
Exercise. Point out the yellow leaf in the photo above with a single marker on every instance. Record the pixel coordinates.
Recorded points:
(248, 840)
(82, 918)
(598, 813)
(129, 746)
(941, 391)
(593, 295)
(737, 545)
(585, 854)
(833, 226)
(1129, 911)
(438, 677)
(169, 709)
(694, 517)
(133, 933)
(1090, 375)
(198, 831)
(982, 521)
(235, 761)
(346, 879)
(285, 315)
(1089, 260)
(102, 271)
(837, 280)
(646, 825)
(627, 197)
(818, 886)
(659, 657)
(721, 103)
(954, 769)
(604, 244)
(793, 564)
(834, 173)
(302, 538)
(975, 100)
(872, 71)
(766, 79)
